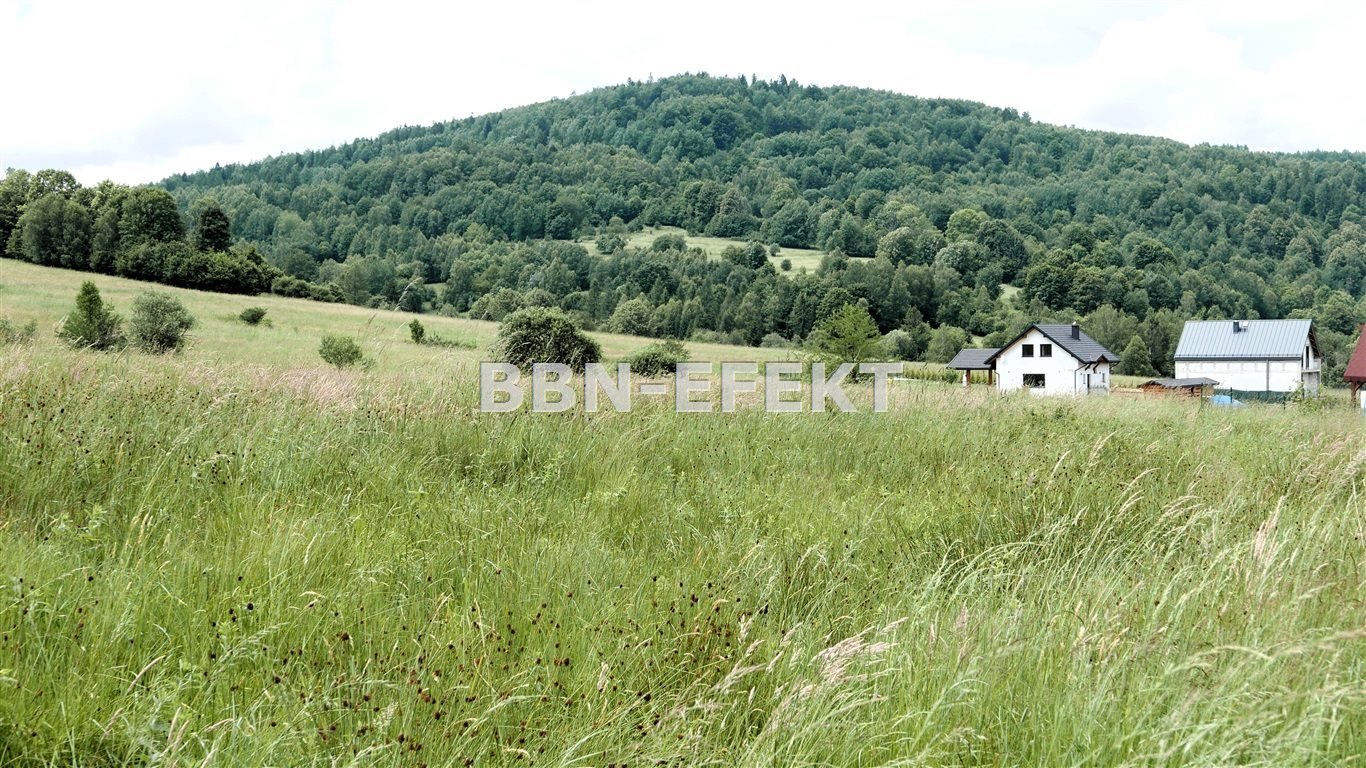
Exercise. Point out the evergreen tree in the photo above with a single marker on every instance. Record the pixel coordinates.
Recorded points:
(1134, 360)
(212, 229)
(92, 325)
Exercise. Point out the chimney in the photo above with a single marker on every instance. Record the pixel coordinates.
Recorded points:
(1076, 330)
(1237, 326)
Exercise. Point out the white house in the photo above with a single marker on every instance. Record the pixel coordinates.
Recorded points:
(1251, 355)
(1047, 359)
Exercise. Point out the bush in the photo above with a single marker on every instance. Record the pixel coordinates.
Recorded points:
(341, 351)
(707, 336)
(669, 242)
(786, 264)
(610, 243)
(543, 335)
(657, 359)
(774, 341)
(15, 334)
(92, 325)
(497, 304)
(900, 344)
(160, 322)
(416, 330)
(252, 315)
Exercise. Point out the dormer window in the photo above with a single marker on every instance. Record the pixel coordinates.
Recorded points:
(1026, 350)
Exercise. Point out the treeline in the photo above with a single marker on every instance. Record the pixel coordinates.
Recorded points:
(137, 232)
(1075, 219)
(670, 290)
(943, 217)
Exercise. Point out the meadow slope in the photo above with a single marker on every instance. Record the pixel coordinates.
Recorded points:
(236, 557)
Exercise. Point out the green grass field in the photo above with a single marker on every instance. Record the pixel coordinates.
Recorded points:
(802, 258)
(236, 556)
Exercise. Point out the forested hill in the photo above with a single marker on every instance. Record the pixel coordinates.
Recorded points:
(801, 166)
(955, 199)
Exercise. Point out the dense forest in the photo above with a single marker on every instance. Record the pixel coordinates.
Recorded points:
(948, 220)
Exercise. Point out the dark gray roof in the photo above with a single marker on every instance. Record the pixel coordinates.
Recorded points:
(1083, 348)
(1263, 340)
(1179, 383)
(972, 360)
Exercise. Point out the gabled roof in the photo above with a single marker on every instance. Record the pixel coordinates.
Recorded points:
(1356, 367)
(1261, 340)
(1083, 348)
(972, 360)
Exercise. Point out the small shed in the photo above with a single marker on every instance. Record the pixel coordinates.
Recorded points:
(1355, 375)
(969, 360)
(1196, 387)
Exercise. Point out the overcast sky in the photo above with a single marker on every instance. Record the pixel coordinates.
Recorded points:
(134, 91)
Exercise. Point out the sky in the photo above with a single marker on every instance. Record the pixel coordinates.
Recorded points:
(134, 91)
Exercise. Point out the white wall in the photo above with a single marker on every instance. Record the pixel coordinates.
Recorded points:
(1061, 376)
(1249, 375)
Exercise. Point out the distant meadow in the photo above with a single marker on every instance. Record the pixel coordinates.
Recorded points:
(239, 555)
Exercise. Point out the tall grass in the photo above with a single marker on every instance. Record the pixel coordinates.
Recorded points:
(222, 563)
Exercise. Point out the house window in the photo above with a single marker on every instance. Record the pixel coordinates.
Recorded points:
(1045, 350)
(1033, 380)
(1026, 350)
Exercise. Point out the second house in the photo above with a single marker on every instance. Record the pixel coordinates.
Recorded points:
(1046, 359)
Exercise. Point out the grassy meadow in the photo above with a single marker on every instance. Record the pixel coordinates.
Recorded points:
(237, 556)
(802, 258)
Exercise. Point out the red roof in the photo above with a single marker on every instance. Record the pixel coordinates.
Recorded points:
(1356, 367)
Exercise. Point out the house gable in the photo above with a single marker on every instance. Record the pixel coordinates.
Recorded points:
(1042, 363)
(1081, 348)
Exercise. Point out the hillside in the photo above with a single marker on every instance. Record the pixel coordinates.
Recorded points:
(235, 556)
(954, 199)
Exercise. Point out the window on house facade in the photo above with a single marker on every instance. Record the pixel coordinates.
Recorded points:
(1045, 350)
(1026, 350)
(1033, 380)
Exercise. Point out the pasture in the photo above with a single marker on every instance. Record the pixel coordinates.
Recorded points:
(802, 258)
(236, 556)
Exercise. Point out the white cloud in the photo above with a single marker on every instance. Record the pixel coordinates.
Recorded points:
(136, 91)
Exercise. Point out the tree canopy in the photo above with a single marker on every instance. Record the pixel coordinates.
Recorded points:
(977, 218)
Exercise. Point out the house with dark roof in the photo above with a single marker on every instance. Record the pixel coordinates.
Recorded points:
(1355, 375)
(1251, 355)
(1045, 359)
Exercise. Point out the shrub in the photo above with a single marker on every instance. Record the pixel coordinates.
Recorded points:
(543, 335)
(669, 242)
(416, 330)
(433, 340)
(341, 351)
(497, 304)
(900, 344)
(92, 325)
(786, 264)
(252, 315)
(774, 341)
(657, 359)
(160, 322)
(707, 336)
(15, 334)
(610, 243)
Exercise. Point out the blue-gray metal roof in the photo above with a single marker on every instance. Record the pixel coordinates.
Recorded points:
(972, 360)
(1262, 340)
